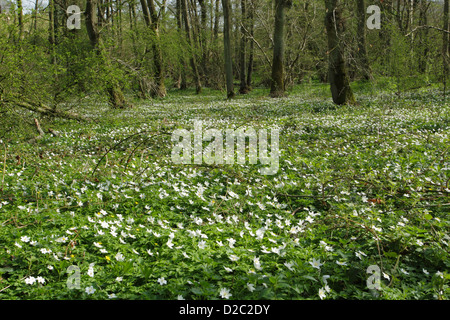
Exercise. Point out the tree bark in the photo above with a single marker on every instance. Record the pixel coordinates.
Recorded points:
(193, 60)
(20, 20)
(243, 89)
(387, 7)
(423, 36)
(216, 19)
(36, 4)
(363, 63)
(182, 76)
(277, 88)
(251, 24)
(51, 29)
(204, 39)
(227, 48)
(152, 21)
(446, 44)
(337, 72)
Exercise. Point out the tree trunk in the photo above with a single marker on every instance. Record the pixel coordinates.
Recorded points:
(20, 14)
(385, 32)
(193, 60)
(411, 10)
(36, 5)
(52, 30)
(251, 24)
(243, 89)
(160, 89)
(227, 48)
(116, 96)
(146, 13)
(204, 39)
(337, 72)
(216, 19)
(446, 44)
(423, 36)
(363, 63)
(182, 76)
(277, 88)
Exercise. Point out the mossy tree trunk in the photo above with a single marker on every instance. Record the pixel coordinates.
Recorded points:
(337, 72)
(277, 88)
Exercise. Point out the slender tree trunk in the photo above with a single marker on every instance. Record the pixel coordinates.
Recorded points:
(100, 13)
(119, 23)
(227, 48)
(446, 45)
(116, 96)
(160, 89)
(182, 76)
(146, 13)
(133, 24)
(204, 39)
(52, 30)
(387, 7)
(107, 12)
(423, 36)
(411, 10)
(216, 19)
(193, 60)
(277, 88)
(337, 72)
(36, 4)
(20, 16)
(251, 24)
(112, 13)
(363, 62)
(243, 89)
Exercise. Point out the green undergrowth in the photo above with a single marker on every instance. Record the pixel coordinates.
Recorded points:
(357, 186)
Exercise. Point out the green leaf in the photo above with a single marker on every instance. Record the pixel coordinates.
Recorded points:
(197, 291)
(310, 278)
(391, 254)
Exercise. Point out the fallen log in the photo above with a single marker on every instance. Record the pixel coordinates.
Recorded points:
(45, 110)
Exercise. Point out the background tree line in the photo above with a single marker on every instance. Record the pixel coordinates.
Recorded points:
(145, 47)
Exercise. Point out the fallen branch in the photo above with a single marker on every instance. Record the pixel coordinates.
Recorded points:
(39, 130)
(45, 110)
(38, 127)
(53, 132)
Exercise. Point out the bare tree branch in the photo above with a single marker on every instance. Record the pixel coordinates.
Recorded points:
(426, 27)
